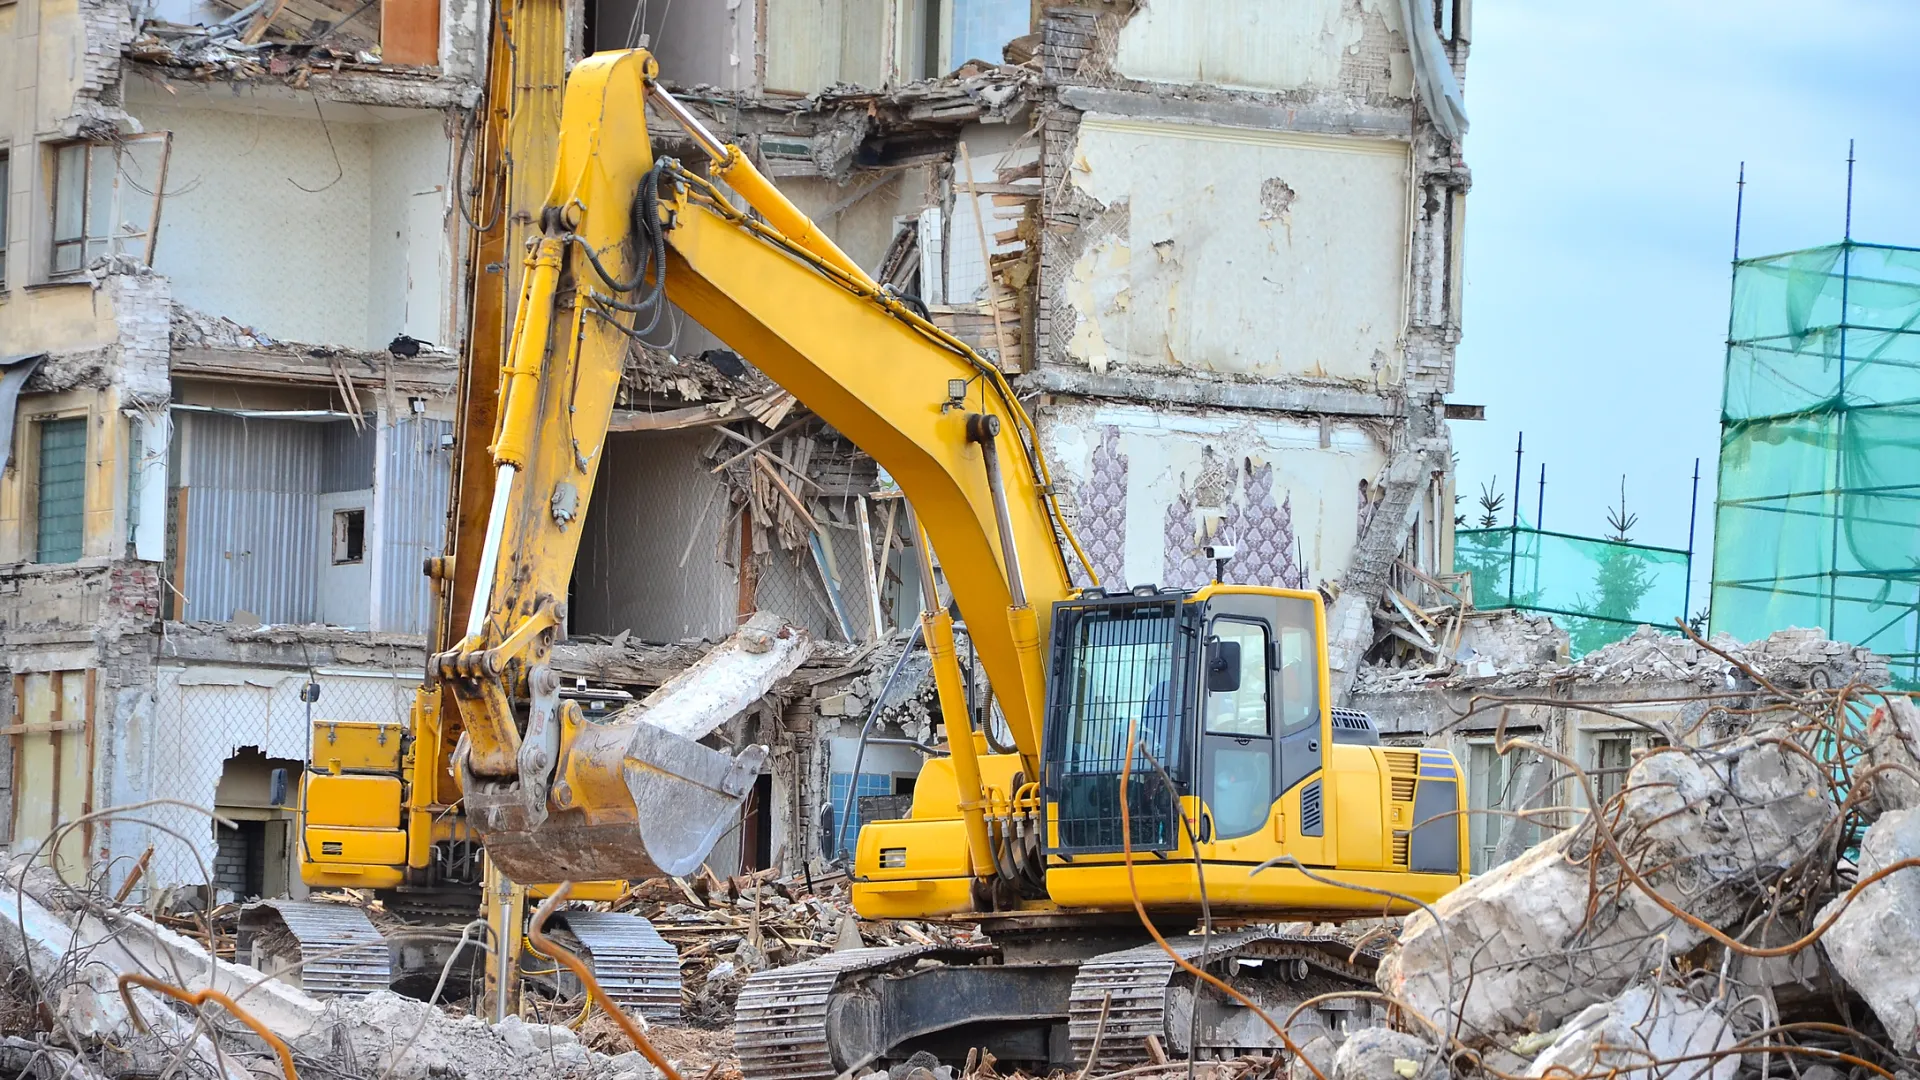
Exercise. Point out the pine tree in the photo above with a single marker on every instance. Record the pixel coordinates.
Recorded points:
(1622, 580)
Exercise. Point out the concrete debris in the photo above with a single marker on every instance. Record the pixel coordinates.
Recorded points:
(1502, 642)
(1625, 1037)
(1876, 940)
(1893, 756)
(1531, 942)
(74, 947)
(385, 1034)
(1510, 650)
(1381, 1054)
(1315, 1056)
(729, 679)
(1786, 658)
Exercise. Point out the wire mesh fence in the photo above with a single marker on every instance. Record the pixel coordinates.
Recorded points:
(1600, 590)
(218, 737)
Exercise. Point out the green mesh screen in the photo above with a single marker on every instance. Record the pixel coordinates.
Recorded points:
(1817, 522)
(1599, 590)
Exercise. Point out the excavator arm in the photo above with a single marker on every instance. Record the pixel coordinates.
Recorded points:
(557, 797)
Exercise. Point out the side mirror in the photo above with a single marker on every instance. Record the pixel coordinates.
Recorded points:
(1223, 666)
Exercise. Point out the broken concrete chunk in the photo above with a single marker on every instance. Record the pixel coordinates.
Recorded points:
(1893, 753)
(1319, 1051)
(1380, 1054)
(728, 680)
(1627, 1036)
(1877, 937)
(1713, 827)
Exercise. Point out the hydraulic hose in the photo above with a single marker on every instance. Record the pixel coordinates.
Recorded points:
(866, 731)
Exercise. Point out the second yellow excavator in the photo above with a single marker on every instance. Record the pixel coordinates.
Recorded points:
(1174, 754)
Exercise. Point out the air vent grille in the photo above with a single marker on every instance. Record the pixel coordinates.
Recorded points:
(1402, 847)
(1404, 768)
(1311, 822)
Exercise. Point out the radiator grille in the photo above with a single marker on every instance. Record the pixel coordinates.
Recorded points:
(1402, 847)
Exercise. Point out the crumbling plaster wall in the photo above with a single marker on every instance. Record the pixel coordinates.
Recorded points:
(356, 200)
(1350, 314)
(1348, 48)
(1150, 485)
(1239, 252)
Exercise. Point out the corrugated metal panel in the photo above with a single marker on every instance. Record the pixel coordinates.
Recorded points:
(414, 514)
(346, 457)
(253, 529)
(655, 500)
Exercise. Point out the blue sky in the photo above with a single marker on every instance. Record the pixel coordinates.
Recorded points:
(1604, 147)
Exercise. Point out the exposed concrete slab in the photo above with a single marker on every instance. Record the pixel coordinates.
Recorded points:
(1218, 393)
(1321, 117)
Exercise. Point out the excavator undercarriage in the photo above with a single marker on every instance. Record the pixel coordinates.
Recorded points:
(1042, 999)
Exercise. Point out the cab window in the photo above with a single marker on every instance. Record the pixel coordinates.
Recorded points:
(1299, 704)
(1242, 710)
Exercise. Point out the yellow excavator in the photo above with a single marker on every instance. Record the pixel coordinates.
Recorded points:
(1175, 754)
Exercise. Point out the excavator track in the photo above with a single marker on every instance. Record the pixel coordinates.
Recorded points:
(780, 1022)
(337, 948)
(805, 1022)
(1144, 993)
(634, 965)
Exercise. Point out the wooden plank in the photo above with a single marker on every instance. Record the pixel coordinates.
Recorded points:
(410, 32)
(1412, 622)
(671, 419)
(43, 728)
(180, 557)
(986, 262)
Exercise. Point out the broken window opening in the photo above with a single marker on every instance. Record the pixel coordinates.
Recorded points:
(1613, 756)
(106, 200)
(349, 536)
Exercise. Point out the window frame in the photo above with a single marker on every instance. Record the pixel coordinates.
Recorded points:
(93, 238)
(343, 536)
(33, 547)
(1262, 658)
(6, 204)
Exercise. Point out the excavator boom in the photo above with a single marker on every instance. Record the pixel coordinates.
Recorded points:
(555, 797)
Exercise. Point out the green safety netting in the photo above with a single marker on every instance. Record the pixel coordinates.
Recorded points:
(1817, 521)
(1599, 590)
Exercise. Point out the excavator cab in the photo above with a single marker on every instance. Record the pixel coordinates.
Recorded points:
(1219, 698)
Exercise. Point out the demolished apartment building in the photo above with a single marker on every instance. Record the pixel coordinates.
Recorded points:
(1217, 247)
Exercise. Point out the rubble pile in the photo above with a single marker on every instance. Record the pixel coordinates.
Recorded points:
(1712, 918)
(99, 986)
(1512, 650)
(726, 930)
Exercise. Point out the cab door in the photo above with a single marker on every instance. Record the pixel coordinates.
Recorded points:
(1237, 754)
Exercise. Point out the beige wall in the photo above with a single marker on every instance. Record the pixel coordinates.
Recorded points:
(107, 434)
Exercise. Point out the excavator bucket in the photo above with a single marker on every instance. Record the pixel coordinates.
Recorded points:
(636, 801)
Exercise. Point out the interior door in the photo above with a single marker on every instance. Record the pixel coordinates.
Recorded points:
(346, 578)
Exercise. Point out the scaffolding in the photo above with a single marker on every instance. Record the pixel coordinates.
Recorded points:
(1598, 590)
(1817, 520)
